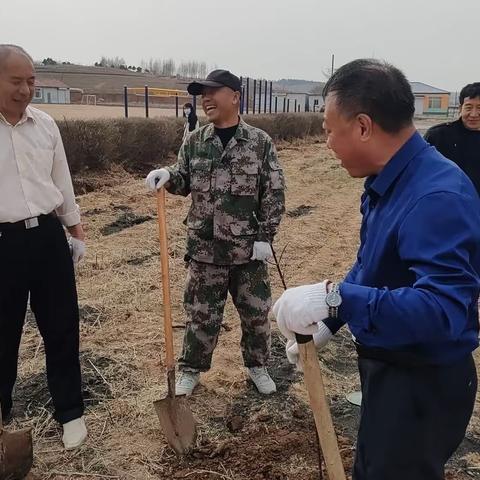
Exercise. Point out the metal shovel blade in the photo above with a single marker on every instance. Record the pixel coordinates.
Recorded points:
(177, 422)
(16, 454)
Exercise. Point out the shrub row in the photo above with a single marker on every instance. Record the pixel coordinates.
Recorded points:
(139, 143)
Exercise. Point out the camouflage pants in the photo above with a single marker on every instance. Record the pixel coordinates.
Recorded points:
(205, 296)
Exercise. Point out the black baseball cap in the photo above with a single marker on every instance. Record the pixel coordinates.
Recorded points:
(216, 79)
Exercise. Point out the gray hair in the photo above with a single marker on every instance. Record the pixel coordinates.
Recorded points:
(7, 49)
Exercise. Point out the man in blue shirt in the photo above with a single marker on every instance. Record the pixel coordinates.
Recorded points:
(410, 299)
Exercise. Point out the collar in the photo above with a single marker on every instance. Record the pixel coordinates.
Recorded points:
(27, 115)
(240, 134)
(379, 184)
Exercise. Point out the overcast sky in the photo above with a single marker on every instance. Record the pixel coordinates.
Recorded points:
(433, 41)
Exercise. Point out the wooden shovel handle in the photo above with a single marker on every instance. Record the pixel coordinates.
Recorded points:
(167, 309)
(319, 405)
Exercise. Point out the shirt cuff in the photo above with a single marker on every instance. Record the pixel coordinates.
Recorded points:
(69, 219)
(334, 324)
(355, 307)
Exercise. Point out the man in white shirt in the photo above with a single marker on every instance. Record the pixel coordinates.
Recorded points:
(36, 202)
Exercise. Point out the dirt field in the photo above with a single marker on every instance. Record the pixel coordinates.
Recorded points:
(242, 436)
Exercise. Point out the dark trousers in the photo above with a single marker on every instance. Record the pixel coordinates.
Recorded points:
(38, 261)
(412, 419)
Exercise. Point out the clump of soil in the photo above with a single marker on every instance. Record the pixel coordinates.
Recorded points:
(300, 211)
(142, 259)
(125, 220)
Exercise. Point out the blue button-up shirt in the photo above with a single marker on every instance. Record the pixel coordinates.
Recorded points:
(415, 284)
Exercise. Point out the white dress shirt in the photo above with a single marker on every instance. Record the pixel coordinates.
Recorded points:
(34, 174)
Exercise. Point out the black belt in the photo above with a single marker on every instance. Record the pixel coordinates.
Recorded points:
(395, 357)
(28, 223)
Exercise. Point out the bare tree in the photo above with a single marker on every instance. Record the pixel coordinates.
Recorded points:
(168, 68)
(114, 62)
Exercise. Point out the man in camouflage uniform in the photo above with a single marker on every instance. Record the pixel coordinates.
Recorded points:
(232, 172)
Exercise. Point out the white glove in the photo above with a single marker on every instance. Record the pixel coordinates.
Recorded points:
(320, 339)
(301, 309)
(77, 249)
(156, 179)
(262, 251)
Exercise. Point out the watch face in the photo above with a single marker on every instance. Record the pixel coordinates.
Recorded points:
(334, 299)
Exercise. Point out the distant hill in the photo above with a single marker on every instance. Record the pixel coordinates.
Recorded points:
(105, 80)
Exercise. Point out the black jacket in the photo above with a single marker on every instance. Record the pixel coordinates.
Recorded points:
(460, 145)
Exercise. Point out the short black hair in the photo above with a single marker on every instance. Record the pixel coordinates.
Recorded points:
(472, 90)
(375, 88)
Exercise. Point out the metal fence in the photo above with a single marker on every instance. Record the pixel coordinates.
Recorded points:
(257, 97)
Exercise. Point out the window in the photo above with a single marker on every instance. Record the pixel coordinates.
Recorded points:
(434, 103)
(38, 93)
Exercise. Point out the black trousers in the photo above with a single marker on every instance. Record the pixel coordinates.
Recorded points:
(38, 261)
(412, 418)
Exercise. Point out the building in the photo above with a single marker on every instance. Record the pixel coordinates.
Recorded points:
(50, 90)
(430, 100)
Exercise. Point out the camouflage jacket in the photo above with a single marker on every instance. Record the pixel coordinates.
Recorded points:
(237, 193)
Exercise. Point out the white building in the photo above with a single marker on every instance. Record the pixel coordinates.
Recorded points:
(50, 90)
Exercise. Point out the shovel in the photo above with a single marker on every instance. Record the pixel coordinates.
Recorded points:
(175, 416)
(312, 377)
(16, 453)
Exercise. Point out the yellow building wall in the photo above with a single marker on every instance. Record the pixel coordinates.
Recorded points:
(445, 98)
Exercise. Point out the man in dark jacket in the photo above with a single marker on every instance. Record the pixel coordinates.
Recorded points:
(460, 140)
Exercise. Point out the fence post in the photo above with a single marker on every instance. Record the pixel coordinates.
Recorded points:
(284, 103)
(288, 105)
(254, 95)
(276, 101)
(248, 94)
(176, 105)
(241, 95)
(295, 105)
(242, 99)
(146, 101)
(265, 99)
(271, 90)
(259, 96)
(125, 100)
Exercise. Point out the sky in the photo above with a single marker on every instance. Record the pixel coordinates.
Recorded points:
(432, 41)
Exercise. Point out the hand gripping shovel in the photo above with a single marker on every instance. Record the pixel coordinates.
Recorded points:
(175, 416)
(16, 453)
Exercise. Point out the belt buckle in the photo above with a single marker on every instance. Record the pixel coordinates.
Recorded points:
(31, 222)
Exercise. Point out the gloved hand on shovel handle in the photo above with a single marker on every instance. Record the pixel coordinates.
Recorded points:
(301, 310)
(156, 179)
(320, 339)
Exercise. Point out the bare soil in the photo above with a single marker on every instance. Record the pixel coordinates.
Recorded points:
(242, 435)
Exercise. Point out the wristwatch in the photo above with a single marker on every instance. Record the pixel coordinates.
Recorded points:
(333, 300)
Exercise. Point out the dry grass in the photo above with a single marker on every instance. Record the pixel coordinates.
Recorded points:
(122, 344)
